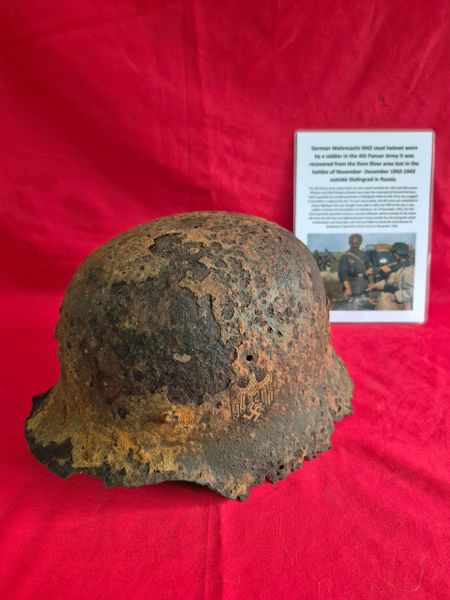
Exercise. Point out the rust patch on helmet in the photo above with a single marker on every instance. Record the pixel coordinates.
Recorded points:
(194, 347)
(159, 333)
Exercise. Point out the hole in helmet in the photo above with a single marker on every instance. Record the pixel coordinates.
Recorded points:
(122, 412)
(249, 357)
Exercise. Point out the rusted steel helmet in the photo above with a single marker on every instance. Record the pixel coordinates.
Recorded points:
(195, 347)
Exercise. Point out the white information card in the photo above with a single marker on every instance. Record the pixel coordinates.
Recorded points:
(362, 205)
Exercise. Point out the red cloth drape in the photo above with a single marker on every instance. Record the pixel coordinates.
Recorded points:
(115, 112)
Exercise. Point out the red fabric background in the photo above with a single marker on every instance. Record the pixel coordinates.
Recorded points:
(113, 113)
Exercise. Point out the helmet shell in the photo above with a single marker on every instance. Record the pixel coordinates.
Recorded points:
(194, 347)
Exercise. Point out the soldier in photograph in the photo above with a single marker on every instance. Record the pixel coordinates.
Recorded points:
(354, 266)
(397, 290)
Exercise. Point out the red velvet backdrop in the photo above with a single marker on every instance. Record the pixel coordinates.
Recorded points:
(117, 112)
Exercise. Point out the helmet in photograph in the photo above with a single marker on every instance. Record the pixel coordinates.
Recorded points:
(401, 249)
(195, 347)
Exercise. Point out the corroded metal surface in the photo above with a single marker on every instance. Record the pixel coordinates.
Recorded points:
(194, 347)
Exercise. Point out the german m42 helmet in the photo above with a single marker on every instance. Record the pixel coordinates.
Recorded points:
(195, 347)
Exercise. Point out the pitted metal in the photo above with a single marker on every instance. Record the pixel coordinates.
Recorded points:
(194, 347)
